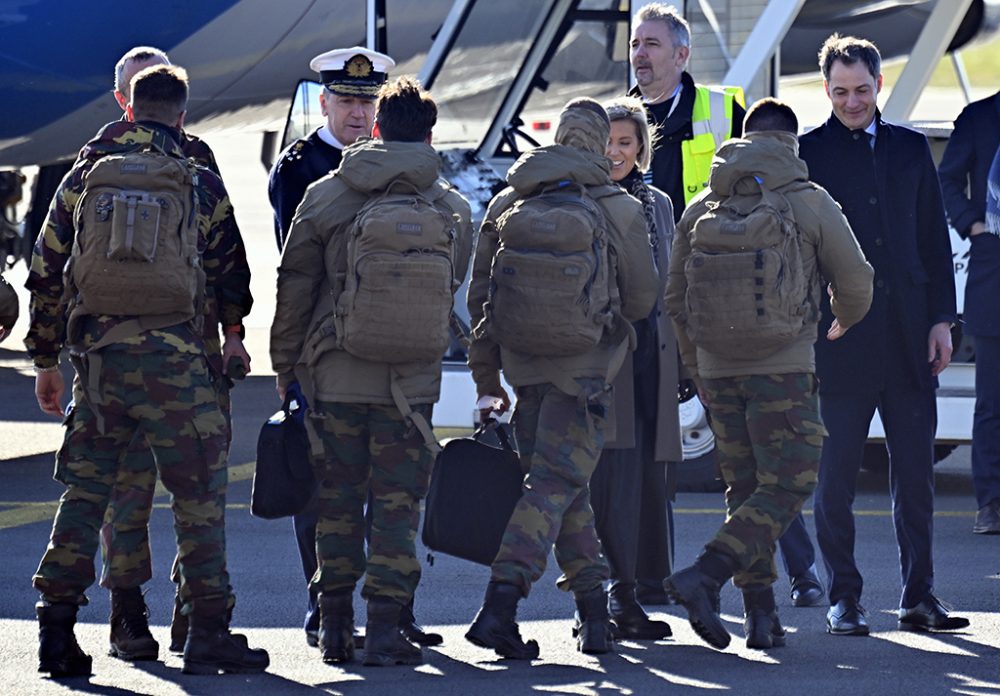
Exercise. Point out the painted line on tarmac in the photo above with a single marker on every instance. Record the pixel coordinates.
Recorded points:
(19, 514)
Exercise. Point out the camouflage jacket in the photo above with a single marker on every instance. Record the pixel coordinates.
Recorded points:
(193, 147)
(223, 254)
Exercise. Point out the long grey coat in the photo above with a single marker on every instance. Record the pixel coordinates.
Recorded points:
(668, 433)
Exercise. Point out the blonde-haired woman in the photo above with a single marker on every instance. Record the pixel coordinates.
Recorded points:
(628, 488)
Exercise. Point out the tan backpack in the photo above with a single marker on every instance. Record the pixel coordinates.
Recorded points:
(551, 286)
(747, 293)
(399, 289)
(136, 246)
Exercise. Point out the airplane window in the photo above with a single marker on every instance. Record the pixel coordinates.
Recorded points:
(482, 64)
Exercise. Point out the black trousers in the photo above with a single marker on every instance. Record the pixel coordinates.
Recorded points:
(986, 426)
(909, 415)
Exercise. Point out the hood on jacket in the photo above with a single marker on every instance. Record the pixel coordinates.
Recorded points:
(584, 124)
(773, 156)
(124, 136)
(371, 165)
(554, 163)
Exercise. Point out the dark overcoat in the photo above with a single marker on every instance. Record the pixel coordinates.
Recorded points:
(964, 171)
(892, 199)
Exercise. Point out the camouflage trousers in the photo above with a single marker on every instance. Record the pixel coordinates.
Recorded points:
(769, 436)
(369, 449)
(560, 439)
(167, 399)
(125, 532)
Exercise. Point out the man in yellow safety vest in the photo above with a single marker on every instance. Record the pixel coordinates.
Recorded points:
(692, 120)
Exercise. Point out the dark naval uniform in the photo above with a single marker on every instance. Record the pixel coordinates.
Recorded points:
(302, 163)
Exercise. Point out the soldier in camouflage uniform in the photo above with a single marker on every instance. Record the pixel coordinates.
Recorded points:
(125, 533)
(134, 383)
(765, 411)
(371, 442)
(562, 402)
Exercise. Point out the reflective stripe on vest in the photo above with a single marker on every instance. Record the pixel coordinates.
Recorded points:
(711, 123)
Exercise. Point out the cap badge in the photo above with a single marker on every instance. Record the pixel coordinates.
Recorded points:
(359, 66)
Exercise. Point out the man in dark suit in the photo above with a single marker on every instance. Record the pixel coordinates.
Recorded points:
(964, 170)
(884, 179)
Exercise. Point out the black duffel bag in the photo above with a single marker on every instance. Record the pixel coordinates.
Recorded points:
(473, 491)
(283, 482)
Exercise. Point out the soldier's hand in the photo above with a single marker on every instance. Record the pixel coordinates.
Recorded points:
(939, 347)
(3, 333)
(233, 348)
(835, 331)
(278, 387)
(489, 404)
(49, 388)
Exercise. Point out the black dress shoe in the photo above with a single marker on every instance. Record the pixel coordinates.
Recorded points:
(807, 591)
(988, 519)
(930, 615)
(847, 618)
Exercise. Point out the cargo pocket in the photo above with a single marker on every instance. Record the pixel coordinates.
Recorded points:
(803, 444)
(212, 429)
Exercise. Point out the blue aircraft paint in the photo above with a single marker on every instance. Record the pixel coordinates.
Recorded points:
(58, 55)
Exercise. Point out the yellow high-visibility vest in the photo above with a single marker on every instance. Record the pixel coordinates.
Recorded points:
(712, 123)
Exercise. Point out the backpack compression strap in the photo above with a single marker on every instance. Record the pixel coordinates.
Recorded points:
(415, 419)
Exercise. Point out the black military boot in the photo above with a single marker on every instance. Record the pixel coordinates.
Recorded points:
(628, 619)
(384, 642)
(58, 652)
(697, 589)
(211, 648)
(336, 626)
(494, 626)
(178, 627)
(413, 632)
(130, 636)
(593, 626)
(761, 625)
